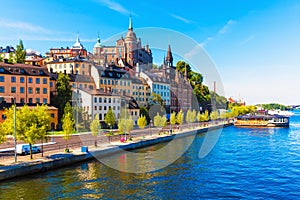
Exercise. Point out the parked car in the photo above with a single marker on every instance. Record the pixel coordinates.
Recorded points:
(24, 149)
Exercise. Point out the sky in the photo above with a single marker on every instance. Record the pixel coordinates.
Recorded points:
(254, 45)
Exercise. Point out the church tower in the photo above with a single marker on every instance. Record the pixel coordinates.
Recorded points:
(169, 58)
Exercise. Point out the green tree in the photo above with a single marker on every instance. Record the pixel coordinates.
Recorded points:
(110, 118)
(173, 119)
(2, 134)
(1, 58)
(188, 116)
(64, 94)
(214, 115)
(157, 120)
(68, 128)
(20, 53)
(181, 66)
(11, 58)
(94, 126)
(144, 111)
(155, 99)
(129, 125)
(180, 117)
(193, 116)
(31, 124)
(142, 122)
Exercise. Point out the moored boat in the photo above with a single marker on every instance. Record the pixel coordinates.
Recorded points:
(262, 121)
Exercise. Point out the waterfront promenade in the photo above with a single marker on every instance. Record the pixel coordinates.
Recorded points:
(57, 158)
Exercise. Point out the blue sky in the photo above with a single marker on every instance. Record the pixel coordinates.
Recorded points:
(254, 44)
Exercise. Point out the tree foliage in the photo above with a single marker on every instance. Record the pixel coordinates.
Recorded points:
(125, 122)
(155, 99)
(214, 115)
(142, 122)
(68, 127)
(94, 127)
(64, 94)
(242, 110)
(32, 124)
(159, 121)
(203, 117)
(180, 117)
(274, 106)
(110, 118)
(173, 118)
(20, 53)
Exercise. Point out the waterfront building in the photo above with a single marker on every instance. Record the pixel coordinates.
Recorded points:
(127, 51)
(34, 58)
(28, 84)
(141, 91)
(74, 65)
(5, 51)
(159, 85)
(76, 81)
(77, 49)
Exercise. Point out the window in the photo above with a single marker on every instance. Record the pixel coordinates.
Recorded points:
(108, 82)
(95, 108)
(37, 100)
(104, 107)
(128, 83)
(13, 79)
(109, 100)
(100, 107)
(29, 80)
(51, 84)
(22, 100)
(82, 66)
(121, 83)
(116, 82)
(95, 100)
(30, 100)
(112, 82)
(105, 82)
(100, 100)
(2, 78)
(3, 116)
(52, 115)
(30, 90)
(1, 69)
(100, 116)
(13, 89)
(22, 90)
(22, 80)
(44, 80)
(37, 90)
(104, 100)
(37, 80)
(1, 89)
(101, 81)
(44, 90)
(124, 83)
(45, 100)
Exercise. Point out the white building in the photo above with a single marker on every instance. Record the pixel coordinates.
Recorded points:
(96, 102)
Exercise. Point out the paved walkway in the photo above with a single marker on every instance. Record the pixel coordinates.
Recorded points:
(49, 155)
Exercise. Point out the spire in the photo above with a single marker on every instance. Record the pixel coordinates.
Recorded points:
(130, 24)
(169, 58)
(77, 44)
(77, 39)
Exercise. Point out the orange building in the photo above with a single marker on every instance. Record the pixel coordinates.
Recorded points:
(26, 83)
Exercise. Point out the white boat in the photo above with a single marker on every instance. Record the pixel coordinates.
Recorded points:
(280, 112)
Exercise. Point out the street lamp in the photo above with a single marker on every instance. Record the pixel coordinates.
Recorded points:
(15, 135)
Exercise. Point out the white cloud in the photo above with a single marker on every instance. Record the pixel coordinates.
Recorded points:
(248, 39)
(222, 31)
(181, 18)
(226, 27)
(115, 6)
(4, 23)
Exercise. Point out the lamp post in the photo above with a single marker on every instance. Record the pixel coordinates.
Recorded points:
(15, 128)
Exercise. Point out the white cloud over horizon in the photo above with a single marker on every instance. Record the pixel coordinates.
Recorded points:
(115, 6)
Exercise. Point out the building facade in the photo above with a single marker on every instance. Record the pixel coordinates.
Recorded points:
(28, 84)
(128, 49)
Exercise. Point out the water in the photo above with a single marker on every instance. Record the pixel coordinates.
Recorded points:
(245, 163)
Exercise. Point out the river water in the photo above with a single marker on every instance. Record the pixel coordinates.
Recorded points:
(245, 163)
